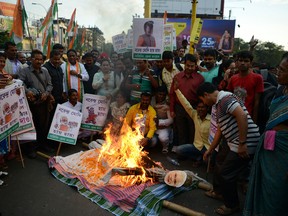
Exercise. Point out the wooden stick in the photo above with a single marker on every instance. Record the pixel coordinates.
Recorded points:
(43, 155)
(20, 152)
(205, 186)
(59, 147)
(181, 209)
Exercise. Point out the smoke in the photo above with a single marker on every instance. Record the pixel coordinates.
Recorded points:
(110, 16)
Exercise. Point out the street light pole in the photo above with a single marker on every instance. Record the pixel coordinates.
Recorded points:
(34, 3)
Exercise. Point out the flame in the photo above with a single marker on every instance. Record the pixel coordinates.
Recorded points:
(122, 151)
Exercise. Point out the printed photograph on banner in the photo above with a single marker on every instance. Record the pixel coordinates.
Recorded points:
(95, 110)
(168, 37)
(129, 39)
(217, 34)
(9, 111)
(147, 38)
(65, 125)
(25, 116)
(119, 43)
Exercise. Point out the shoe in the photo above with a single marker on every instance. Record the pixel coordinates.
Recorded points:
(223, 210)
(212, 194)
(32, 154)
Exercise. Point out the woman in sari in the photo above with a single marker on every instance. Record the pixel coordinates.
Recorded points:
(268, 186)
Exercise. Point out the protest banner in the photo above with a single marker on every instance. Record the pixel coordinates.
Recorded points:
(119, 43)
(168, 37)
(95, 110)
(129, 39)
(148, 38)
(65, 125)
(25, 116)
(9, 111)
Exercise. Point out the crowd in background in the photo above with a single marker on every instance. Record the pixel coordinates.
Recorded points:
(163, 97)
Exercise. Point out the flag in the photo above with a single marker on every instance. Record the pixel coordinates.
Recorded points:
(74, 40)
(50, 15)
(71, 23)
(83, 38)
(165, 17)
(47, 28)
(19, 19)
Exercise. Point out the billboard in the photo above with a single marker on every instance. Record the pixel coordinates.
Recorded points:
(7, 9)
(218, 34)
(204, 7)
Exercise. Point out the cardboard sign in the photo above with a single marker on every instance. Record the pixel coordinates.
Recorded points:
(25, 116)
(119, 43)
(148, 38)
(168, 37)
(95, 110)
(65, 125)
(9, 111)
(129, 39)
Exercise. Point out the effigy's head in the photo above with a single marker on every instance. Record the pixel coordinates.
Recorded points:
(175, 178)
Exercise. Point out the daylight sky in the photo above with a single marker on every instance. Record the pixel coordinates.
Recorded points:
(265, 19)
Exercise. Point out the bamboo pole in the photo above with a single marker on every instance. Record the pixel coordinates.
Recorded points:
(59, 147)
(30, 39)
(20, 152)
(43, 155)
(181, 209)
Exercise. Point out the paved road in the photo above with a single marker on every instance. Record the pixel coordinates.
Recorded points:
(33, 191)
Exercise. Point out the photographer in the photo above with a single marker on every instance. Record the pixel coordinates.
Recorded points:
(38, 87)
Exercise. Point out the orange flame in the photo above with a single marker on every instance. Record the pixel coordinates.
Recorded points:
(122, 151)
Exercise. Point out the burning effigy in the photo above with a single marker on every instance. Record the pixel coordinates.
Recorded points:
(119, 171)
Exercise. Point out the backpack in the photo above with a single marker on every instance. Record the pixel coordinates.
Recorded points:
(266, 97)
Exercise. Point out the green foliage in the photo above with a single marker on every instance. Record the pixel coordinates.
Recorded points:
(264, 52)
(4, 37)
(269, 53)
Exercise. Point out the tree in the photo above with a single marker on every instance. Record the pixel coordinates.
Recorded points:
(4, 37)
(264, 52)
(269, 53)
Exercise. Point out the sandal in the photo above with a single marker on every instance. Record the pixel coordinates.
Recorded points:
(223, 210)
(212, 194)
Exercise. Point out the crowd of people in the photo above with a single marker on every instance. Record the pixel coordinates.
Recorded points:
(197, 106)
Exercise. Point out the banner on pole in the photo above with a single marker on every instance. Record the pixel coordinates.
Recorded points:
(148, 38)
(65, 125)
(95, 110)
(119, 43)
(25, 116)
(168, 37)
(9, 111)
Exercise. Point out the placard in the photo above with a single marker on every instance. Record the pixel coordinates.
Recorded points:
(65, 125)
(95, 110)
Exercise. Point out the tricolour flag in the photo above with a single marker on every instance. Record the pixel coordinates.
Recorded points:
(74, 40)
(71, 24)
(50, 15)
(19, 19)
(83, 38)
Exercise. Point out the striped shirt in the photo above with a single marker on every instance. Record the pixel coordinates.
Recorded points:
(168, 76)
(225, 105)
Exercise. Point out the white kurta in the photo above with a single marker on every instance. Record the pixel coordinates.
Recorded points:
(74, 79)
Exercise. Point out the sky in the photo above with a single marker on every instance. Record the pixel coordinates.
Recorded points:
(265, 19)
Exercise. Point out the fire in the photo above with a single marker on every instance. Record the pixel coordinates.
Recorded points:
(121, 151)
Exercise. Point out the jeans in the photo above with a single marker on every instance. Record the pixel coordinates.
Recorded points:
(189, 151)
